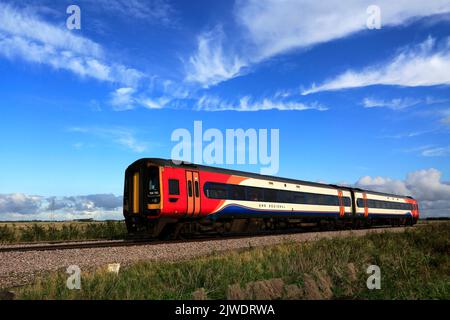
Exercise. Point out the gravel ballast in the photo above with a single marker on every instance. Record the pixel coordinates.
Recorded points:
(20, 268)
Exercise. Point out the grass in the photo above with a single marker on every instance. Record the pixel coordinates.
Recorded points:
(414, 265)
(12, 232)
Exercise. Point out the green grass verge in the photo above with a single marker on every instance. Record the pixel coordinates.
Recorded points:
(54, 231)
(414, 264)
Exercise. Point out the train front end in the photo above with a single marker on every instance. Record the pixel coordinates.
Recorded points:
(142, 200)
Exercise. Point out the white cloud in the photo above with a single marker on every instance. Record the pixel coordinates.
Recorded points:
(395, 104)
(425, 185)
(278, 26)
(25, 36)
(122, 99)
(121, 136)
(266, 28)
(422, 65)
(148, 10)
(436, 152)
(210, 103)
(210, 64)
(18, 206)
(127, 98)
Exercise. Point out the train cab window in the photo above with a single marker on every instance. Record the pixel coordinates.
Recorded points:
(153, 181)
(174, 187)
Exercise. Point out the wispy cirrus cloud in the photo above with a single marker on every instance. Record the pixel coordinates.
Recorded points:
(211, 63)
(117, 135)
(422, 65)
(267, 28)
(436, 152)
(153, 11)
(430, 150)
(246, 104)
(25, 36)
(395, 104)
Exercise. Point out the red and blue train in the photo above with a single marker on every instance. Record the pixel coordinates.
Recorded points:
(165, 198)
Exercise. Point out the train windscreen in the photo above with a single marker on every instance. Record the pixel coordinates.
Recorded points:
(153, 187)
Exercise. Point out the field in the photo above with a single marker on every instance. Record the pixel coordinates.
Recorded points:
(414, 264)
(11, 232)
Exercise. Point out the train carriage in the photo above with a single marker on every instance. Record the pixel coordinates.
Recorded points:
(163, 198)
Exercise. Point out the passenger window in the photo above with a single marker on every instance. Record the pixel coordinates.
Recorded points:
(174, 187)
(190, 188)
(197, 191)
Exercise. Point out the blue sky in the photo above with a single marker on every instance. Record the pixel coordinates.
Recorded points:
(354, 105)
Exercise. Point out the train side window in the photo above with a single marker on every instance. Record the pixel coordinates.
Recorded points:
(286, 196)
(360, 203)
(346, 202)
(236, 192)
(197, 189)
(270, 195)
(215, 190)
(254, 194)
(174, 187)
(190, 188)
(298, 197)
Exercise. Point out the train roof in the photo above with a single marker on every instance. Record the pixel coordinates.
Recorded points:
(184, 164)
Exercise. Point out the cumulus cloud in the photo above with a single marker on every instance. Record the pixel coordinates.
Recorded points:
(245, 104)
(422, 65)
(18, 206)
(23, 35)
(424, 185)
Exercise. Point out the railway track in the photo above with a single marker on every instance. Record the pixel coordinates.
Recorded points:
(68, 245)
(81, 244)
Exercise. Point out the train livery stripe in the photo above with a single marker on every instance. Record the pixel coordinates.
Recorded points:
(236, 210)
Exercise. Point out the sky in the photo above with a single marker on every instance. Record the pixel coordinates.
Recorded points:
(354, 104)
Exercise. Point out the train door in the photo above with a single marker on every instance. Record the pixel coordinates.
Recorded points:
(341, 204)
(353, 202)
(135, 192)
(193, 193)
(366, 208)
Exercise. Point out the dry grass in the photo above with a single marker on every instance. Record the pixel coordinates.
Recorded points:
(11, 232)
(414, 264)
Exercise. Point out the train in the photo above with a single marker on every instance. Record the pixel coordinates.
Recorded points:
(175, 199)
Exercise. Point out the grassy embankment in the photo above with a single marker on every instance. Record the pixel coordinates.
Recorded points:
(11, 232)
(414, 265)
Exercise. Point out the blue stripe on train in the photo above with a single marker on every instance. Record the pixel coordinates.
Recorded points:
(237, 210)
